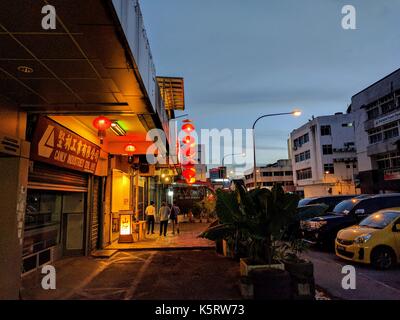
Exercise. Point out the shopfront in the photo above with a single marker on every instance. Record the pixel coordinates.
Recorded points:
(61, 217)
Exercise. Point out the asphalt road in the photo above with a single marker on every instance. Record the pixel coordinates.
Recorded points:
(370, 283)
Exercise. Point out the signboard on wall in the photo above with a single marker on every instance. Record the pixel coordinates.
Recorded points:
(59, 146)
(387, 119)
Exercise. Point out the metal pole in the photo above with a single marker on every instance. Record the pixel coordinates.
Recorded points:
(254, 141)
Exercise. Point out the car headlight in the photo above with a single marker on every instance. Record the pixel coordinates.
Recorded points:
(363, 238)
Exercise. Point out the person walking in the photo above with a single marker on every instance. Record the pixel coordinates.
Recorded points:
(150, 216)
(164, 213)
(174, 218)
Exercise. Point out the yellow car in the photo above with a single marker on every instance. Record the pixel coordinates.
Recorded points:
(375, 240)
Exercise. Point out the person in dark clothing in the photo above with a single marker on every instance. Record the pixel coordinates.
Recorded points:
(174, 218)
(164, 213)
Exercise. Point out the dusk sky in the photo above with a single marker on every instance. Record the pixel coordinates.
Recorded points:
(241, 59)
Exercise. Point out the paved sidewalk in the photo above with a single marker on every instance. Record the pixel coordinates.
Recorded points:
(187, 238)
(130, 275)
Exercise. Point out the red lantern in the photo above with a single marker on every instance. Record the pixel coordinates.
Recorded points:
(188, 127)
(191, 180)
(189, 173)
(130, 149)
(189, 140)
(101, 124)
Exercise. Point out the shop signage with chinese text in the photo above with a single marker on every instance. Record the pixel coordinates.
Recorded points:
(59, 146)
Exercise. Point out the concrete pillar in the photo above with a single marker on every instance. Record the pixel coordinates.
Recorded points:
(13, 189)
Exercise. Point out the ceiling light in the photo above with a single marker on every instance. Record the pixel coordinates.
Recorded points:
(117, 129)
(24, 69)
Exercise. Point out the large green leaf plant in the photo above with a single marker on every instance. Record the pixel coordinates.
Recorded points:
(255, 220)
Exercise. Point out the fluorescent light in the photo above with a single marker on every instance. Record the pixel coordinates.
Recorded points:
(117, 129)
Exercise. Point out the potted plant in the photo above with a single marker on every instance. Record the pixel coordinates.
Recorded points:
(301, 270)
(227, 230)
(256, 220)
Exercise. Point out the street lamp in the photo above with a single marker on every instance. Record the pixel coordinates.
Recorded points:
(231, 154)
(295, 113)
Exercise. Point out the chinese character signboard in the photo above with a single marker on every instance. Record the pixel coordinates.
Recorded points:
(56, 145)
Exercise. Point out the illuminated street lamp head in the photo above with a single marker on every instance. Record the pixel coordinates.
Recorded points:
(296, 113)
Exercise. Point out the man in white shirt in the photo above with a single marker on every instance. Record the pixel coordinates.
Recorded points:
(150, 214)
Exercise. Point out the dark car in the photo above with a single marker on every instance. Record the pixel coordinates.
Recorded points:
(304, 213)
(323, 230)
(331, 201)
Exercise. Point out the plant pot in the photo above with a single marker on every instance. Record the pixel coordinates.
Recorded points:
(271, 284)
(302, 279)
(246, 266)
(227, 249)
(246, 288)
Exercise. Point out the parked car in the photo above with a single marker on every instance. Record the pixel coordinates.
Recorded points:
(323, 230)
(304, 213)
(331, 201)
(375, 240)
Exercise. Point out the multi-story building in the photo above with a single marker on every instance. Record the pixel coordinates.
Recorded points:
(323, 155)
(377, 109)
(279, 172)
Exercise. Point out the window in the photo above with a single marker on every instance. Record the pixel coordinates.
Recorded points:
(288, 173)
(268, 184)
(390, 133)
(304, 174)
(325, 130)
(278, 173)
(388, 160)
(347, 125)
(329, 168)
(388, 107)
(327, 149)
(301, 140)
(373, 113)
(267, 174)
(302, 156)
(374, 136)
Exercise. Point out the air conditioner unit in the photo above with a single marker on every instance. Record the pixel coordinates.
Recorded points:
(10, 145)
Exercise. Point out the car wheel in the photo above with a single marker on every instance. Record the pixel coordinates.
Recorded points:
(382, 258)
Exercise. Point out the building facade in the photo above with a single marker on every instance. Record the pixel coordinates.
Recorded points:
(323, 155)
(279, 172)
(65, 181)
(377, 109)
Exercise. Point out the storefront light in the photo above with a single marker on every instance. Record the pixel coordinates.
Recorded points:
(117, 129)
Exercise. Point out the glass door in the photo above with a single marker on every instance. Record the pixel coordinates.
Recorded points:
(74, 224)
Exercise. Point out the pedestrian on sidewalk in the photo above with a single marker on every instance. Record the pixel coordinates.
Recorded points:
(164, 213)
(150, 217)
(175, 211)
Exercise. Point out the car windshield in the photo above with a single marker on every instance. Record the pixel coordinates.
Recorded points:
(304, 202)
(345, 206)
(380, 220)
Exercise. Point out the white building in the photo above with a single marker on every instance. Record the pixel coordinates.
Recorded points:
(324, 156)
(377, 109)
(279, 172)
